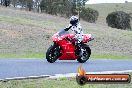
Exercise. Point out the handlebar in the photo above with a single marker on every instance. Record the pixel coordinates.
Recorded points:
(92, 38)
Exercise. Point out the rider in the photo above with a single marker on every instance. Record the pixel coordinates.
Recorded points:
(77, 29)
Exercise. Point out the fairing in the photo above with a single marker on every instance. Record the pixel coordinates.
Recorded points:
(67, 46)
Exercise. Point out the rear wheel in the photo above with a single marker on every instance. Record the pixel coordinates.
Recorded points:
(86, 52)
(53, 53)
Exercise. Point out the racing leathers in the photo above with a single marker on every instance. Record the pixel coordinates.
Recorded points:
(77, 29)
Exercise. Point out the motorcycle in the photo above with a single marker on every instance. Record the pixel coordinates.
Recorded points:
(64, 48)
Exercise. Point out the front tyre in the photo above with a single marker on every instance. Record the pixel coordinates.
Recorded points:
(53, 53)
(86, 54)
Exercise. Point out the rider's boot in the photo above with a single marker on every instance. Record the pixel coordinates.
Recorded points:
(79, 50)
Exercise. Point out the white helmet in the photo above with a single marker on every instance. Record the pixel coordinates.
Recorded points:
(73, 20)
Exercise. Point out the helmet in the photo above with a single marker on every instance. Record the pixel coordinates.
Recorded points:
(73, 20)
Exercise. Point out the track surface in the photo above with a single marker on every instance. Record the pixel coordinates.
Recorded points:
(33, 67)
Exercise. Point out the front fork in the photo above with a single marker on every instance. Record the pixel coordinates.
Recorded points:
(58, 49)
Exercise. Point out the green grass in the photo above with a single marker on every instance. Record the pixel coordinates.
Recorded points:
(114, 57)
(57, 83)
(42, 55)
(22, 55)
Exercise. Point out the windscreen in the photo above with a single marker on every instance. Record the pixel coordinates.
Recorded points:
(62, 32)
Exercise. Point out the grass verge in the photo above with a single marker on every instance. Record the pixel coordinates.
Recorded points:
(42, 55)
(114, 57)
(22, 55)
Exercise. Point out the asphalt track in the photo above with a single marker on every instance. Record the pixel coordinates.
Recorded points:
(34, 67)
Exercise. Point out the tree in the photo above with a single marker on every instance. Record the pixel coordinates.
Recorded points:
(23, 3)
(62, 7)
(89, 15)
(78, 5)
(119, 20)
(29, 4)
(36, 5)
(5, 2)
(13, 2)
(1, 1)
(55, 7)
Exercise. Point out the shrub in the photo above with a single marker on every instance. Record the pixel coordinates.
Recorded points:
(89, 15)
(119, 20)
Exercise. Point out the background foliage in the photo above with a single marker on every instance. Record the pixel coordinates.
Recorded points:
(119, 20)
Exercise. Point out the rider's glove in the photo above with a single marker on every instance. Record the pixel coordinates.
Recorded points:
(66, 29)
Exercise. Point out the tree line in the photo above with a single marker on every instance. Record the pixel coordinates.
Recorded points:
(63, 8)
(66, 8)
(54, 7)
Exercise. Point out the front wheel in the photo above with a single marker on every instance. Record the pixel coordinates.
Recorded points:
(53, 53)
(86, 52)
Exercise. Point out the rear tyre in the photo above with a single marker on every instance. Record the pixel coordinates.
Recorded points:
(86, 54)
(53, 53)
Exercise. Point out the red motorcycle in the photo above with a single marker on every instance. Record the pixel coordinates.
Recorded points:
(64, 48)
